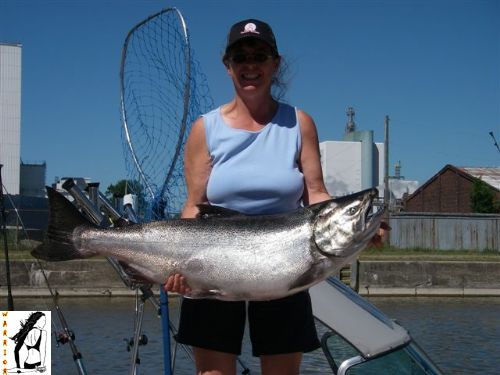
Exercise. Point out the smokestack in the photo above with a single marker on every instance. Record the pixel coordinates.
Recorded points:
(350, 126)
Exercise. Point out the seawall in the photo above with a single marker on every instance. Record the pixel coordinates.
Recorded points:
(376, 278)
(429, 278)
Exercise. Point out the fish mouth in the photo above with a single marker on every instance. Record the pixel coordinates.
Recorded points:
(369, 211)
(372, 211)
(370, 219)
(371, 214)
(372, 223)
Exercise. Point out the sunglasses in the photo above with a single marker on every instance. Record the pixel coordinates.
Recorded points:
(257, 58)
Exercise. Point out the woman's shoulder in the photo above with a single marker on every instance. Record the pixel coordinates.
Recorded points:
(303, 119)
(33, 334)
(301, 114)
(212, 113)
(210, 119)
(306, 125)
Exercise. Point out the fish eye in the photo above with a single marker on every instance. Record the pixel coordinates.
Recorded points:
(352, 210)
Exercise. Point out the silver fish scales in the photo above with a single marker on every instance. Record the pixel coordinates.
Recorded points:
(224, 254)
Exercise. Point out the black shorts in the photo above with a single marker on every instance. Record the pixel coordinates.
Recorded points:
(280, 326)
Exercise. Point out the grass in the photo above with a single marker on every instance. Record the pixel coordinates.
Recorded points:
(21, 250)
(390, 253)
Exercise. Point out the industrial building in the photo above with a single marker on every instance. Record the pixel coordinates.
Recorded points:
(32, 179)
(357, 163)
(449, 190)
(10, 116)
(23, 183)
(353, 164)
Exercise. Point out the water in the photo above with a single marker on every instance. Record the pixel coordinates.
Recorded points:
(462, 335)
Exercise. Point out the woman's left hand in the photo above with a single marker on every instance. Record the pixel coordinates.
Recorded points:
(177, 283)
(377, 240)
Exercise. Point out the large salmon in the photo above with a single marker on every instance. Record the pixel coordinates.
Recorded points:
(224, 254)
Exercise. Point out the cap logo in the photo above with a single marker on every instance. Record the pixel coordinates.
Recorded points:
(250, 28)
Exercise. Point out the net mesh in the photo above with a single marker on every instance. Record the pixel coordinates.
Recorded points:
(163, 92)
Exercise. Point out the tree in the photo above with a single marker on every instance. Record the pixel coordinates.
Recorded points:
(123, 187)
(482, 198)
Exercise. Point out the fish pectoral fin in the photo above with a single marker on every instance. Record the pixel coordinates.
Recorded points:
(137, 274)
(217, 292)
(307, 278)
(208, 211)
(205, 293)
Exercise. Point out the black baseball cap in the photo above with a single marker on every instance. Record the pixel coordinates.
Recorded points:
(251, 28)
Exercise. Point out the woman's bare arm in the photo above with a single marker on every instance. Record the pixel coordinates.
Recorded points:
(310, 162)
(197, 167)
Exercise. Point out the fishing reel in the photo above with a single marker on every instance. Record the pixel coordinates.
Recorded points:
(143, 340)
(63, 337)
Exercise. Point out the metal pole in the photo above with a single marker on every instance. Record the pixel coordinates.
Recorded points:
(93, 190)
(139, 314)
(10, 299)
(165, 320)
(386, 176)
(495, 141)
(97, 218)
(91, 208)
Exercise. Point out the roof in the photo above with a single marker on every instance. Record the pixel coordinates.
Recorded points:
(10, 44)
(490, 175)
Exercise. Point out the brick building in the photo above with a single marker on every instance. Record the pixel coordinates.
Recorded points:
(449, 190)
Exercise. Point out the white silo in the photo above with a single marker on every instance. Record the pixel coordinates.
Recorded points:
(10, 115)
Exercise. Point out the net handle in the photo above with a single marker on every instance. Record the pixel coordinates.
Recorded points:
(187, 94)
(187, 56)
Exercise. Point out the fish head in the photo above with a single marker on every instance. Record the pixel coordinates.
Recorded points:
(345, 225)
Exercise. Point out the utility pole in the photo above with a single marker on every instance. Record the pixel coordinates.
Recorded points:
(3, 228)
(386, 176)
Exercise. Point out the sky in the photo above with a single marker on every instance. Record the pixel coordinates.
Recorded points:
(432, 66)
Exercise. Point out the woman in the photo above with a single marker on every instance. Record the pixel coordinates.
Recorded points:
(29, 351)
(257, 156)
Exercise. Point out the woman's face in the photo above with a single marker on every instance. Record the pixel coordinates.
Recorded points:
(251, 64)
(40, 322)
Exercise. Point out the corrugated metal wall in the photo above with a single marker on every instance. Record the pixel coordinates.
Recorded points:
(10, 115)
(445, 232)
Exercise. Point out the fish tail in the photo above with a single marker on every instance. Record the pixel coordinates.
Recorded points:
(59, 243)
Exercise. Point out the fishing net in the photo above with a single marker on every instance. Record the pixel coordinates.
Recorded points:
(162, 92)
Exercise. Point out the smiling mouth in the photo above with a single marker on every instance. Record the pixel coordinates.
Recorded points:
(250, 77)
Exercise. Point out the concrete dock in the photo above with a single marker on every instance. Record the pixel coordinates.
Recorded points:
(84, 278)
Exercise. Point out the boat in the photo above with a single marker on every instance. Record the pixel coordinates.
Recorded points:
(361, 339)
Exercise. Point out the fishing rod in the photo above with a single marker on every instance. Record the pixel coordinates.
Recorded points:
(162, 305)
(91, 207)
(495, 141)
(65, 335)
(10, 299)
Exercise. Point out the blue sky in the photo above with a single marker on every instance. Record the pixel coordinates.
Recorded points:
(433, 66)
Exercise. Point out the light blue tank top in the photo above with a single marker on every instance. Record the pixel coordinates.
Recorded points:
(255, 172)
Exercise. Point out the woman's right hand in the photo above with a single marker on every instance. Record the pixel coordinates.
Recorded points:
(176, 283)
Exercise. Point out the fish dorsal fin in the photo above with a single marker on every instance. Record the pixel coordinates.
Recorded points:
(208, 211)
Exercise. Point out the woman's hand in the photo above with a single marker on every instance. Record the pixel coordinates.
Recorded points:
(197, 167)
(176, 283)
(377, 240)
